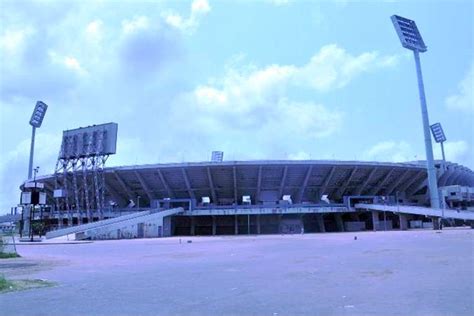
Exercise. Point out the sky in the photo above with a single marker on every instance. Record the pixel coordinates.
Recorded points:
(269, 79)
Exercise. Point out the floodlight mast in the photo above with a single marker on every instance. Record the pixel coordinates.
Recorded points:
(439, 137)
(35, 122)
(411, 39)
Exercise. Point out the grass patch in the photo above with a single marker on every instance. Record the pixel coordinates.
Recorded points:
(20, 285)
(4, 284)
(5, 255)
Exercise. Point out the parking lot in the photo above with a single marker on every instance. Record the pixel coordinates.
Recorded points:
(418, 272)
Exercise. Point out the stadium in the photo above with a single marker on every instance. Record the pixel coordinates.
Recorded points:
(263, 197)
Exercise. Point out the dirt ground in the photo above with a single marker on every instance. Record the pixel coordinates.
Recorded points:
(422, 272)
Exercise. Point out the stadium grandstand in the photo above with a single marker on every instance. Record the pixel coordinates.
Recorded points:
(260, 197)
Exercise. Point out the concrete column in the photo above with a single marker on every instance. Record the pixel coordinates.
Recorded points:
(258, 224)
(375, 220)
(403, 221)
(302, 223)
(320, 219)
(279, 223)
(339, 222)
(213, 225)
(60, 220)
(26, 221)
(193, 228)
(435, 221)
(236, 225)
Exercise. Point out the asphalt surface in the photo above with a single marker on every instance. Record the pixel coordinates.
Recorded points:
(382, 273)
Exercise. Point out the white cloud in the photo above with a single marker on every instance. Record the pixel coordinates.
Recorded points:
(332, 67)
(391, 151)
(301, 155)
(250, 107)
(199, 8)
(68, 62)
(138, 23)
(12, 40)
(456, 151)
(279, 3)
(463, 99)
(14, 165)
(402, 151)
(94, 30)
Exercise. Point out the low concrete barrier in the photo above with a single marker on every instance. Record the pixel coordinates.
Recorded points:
(79, 228)
(146, 226)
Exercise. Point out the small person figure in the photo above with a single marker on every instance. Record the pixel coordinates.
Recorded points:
(302, 230)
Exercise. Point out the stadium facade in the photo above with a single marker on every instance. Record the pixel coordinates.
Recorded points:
(259, 197)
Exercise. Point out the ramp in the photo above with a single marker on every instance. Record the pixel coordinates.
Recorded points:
(147, 225)
(81, 228)
(427, 211)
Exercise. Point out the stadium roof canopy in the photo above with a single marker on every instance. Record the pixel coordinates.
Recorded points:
(306, 181)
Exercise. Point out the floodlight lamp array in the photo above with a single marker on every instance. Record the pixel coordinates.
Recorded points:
(38, 114)
(217, 156)
(408, 33)
(438, 133)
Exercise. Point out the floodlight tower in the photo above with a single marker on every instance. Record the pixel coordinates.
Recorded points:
(439, 137)
(411, 39)
(35, 121)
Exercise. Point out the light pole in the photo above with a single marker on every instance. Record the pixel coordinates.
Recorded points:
(439, 137)
(32, 212)
(411, 39)
(35, 121)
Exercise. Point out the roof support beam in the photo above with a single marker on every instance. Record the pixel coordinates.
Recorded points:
(444, 177)
(327, 181)
(123, 185)
(420, 175)
(457, 179)
(259, 184)
(304, 184)
(420, 186)
(382, 183)
(165, 184)
(282, 183)
(188, 185)
(343, 187)
(450, 178)
(115, 195)
(234, 173)
(211, 186)
(366, 182)
(144, 185)
(397, 182)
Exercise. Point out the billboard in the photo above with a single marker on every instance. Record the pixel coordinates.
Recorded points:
(89, 141)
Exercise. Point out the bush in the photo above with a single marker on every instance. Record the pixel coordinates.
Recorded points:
(7, 255)
(4, 284)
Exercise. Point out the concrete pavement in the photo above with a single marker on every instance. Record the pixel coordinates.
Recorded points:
(381, 273)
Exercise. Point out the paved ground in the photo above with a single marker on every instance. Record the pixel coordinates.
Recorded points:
(383, 273)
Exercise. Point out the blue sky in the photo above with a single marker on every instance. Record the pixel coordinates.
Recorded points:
(256, 79)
